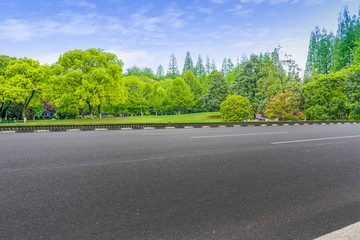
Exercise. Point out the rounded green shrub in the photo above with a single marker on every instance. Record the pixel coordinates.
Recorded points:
(235, 108)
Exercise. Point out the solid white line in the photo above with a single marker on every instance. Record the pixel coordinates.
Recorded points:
(237, 135)
(41, 131)
(101, 129)
(351, 232)
(315, 139)
(6, 132)
(73, 130)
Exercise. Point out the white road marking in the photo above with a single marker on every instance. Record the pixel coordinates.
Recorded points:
(41, 131)
(73, 130)
(101, 129)
(316, 139)
(238, 135)
(84, 165)
(351, 232)
(6, 132)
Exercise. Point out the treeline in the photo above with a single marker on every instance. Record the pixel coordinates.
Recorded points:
(92, 82)
(332, 77)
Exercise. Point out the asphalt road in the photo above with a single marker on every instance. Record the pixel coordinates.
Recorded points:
(288, 182)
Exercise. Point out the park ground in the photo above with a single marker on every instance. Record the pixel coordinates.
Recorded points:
(205, 117)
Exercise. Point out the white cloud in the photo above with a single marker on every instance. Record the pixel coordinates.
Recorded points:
(140, 58)
(16, 30)
(313, 2)
(49, 58)
(81, 4)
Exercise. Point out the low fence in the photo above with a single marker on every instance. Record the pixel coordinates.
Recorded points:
(62, 128)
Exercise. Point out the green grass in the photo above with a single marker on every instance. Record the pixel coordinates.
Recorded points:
(207, 117)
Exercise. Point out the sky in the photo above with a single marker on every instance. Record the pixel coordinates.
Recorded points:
(145, 33)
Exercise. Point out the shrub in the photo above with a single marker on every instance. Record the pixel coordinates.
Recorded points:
(235, 108)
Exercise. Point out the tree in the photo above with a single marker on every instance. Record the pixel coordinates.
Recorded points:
(191, 80)
(160, 73)
(213, 65)
(235, 108)
(325, 97)
(320, 52)
(216, 93)
(98, 78)
(4, 62)
(156, 98)
(346, 36)
(25, 78)
(208, 68)
(229, 66)
(188, 64)
(179, 95)
(284, 106)
(173, 70)
(224, 69)
(139, 91)
(199, 69)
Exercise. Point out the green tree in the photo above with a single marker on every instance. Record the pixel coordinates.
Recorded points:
(179, 95)
(139, 91)
(345, 41)
(235, 108)
(98, 80)
(216, 93)
(325, 97)
(224, 67)
(229, 66)
(188, 64)
(213, 66)
(160, 73)
(25, 78)
(173, 70)
(156, 98)
(199, 69)
(208, 68)
(320, 52)
(4, 62)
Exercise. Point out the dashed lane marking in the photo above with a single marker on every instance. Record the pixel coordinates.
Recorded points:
(316, 139)
(238, 135)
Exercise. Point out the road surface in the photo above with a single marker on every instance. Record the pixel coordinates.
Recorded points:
(278, 182)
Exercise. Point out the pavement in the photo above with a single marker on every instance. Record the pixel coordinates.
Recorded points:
(275, 182)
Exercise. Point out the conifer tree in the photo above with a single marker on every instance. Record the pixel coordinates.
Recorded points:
(160, 72)
(224, 66)
(188, 64)
(199, 69)
(213, 65)
(229, 65)
(207, 65)
(173, 70)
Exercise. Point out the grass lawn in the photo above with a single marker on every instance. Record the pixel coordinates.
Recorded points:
(206, 117)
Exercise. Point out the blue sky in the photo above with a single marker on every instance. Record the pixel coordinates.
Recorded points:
(145, 33)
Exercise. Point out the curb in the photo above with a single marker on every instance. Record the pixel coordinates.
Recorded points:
(78, 128)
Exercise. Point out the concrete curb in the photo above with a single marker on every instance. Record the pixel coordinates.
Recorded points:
(77, 128)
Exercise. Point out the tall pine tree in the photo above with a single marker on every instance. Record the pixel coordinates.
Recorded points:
(199, 69)
(173, 70)
(160, 72)
(188, 64)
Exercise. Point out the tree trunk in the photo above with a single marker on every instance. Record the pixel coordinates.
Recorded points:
(24, 114)
(99, 110)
